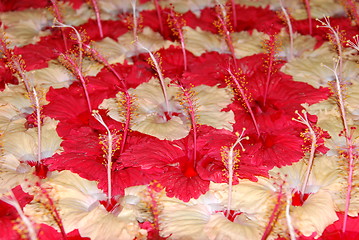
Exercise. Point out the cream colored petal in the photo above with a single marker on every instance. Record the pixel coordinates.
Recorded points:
(198, 41)
(125, 47)
(23, 145)
(111, 50)
(114, 7)
(339, 197)
(247, 44)
(200, 219)
(73, 196)
(352, 99)
(75, 17)
(257, 3)
(90, 67)
(253, 198)
(294, 175)
(110, 9)
(138, 200)
(11, 119)
(25, 27)
(153, 41)
(151, 115)
(172, 129)
(99, 224)
(79, 207)
(302, 45)
(194, 6)
(25, 33)
(50, 140)
(338, 190)
(13, 172)
(55, 76)
(210, 101)
(115, 107)
(151, 98)
(17, 96)
(151, 112)
(319, 8)
(310, 67)
(310, 71)
(315, 214)
(328, 119)
(326, 173)
(184, 222)
(39, 16)
(313, 72)
(219, 227)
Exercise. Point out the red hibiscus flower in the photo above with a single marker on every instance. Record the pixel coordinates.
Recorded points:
(111, 29)
(172, 61)
(334, 231)
(84, 154)
(10, 5)
(9, 215)
(6, 75)
(343, 24)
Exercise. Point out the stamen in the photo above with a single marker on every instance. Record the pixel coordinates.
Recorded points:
(11, 200)
(160, 75)
(291, 49)
(304, 120)
(98, 18)
(231, 161)
(98, 117)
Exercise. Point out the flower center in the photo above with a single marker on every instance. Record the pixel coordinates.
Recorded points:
(232, 215)
(298, 199)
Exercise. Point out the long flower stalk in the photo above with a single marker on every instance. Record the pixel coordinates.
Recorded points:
(290, 30)
(224, 28)
(98, 17)
(348, 139)
(78, 37)
(309, 14)
(42, 195)
(59, 19)
(159, 15)
(232, 159)
(11, 200)
(109, 152)
(337, 42)
(135, 24)
(234, 13)
(176, 22)
(275, 214)
(271, 45)
(160, 75)
(287, 215)
(38, 120)
(304, 120)
(75, 65)
(338, 73)
(128, 98)
(243, 95)
(17, 64)
(187, 99)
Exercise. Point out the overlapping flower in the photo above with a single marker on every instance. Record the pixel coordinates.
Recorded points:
(174, 119)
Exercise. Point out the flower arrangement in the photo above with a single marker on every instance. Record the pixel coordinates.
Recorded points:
(174, 119)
